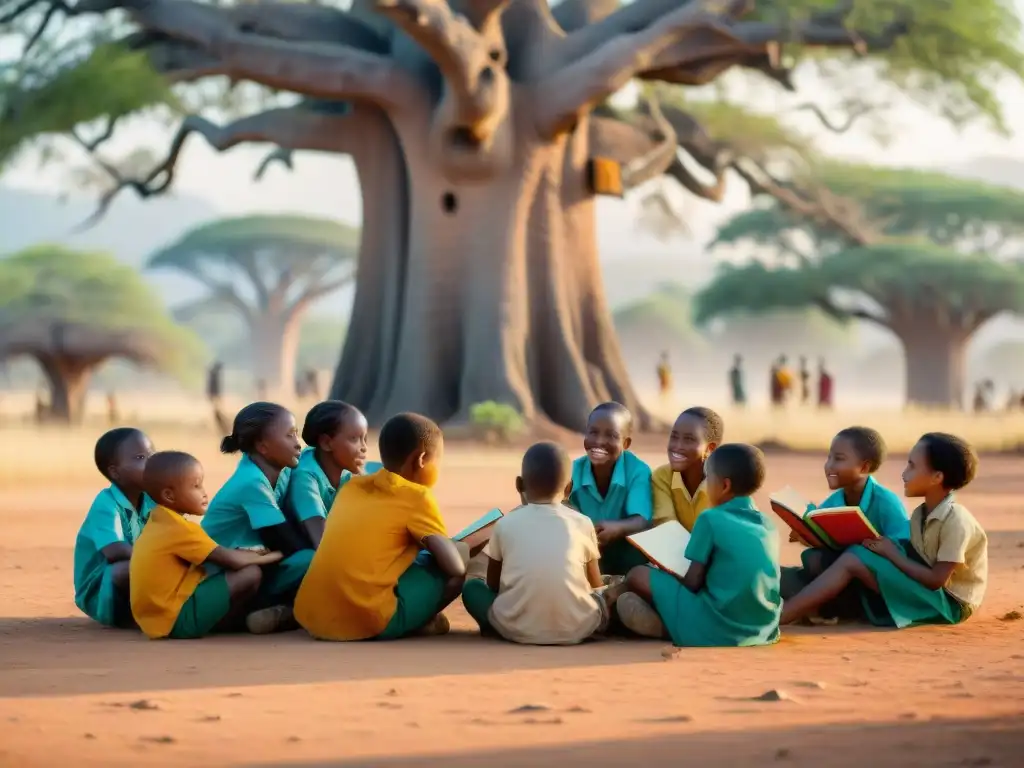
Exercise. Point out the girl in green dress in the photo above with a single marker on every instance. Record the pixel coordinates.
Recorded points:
(730, 593)
(938, 576)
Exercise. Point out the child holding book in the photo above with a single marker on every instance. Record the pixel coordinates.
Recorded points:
(364, 581)
(172, 595)
(939, 575)
(543, 580)
(336, 435)
(612, 487)
(679, 490)
(855, 455)
(729, 595)
(103, 547)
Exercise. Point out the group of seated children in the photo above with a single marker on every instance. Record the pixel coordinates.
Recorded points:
(348, 550)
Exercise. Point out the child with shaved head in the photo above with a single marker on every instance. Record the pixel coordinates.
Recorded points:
(172, 595)
(543, 580)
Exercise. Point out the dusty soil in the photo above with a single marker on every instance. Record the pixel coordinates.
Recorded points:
(76, 694)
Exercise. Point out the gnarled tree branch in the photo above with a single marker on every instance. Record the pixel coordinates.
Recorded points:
(291, 126)
(313, 68)
(561, 96)
(854, 111)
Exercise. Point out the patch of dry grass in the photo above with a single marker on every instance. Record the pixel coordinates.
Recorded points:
(33, 455)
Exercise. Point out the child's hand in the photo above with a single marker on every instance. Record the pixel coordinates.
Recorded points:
(794, 538)
(269, 558)
(883, 546)
(607, 532)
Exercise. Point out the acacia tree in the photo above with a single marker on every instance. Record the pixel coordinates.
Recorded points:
(923, 255)
(72, 311)
(471, 126)
(268, 270)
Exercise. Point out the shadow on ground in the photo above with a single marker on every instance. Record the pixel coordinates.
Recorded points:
(994, 742)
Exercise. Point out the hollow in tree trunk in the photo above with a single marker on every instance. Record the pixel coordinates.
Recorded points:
(68, 379)
(935, 359)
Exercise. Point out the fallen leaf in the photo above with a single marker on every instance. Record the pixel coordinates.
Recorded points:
(782, 754)
(1012, 616)
(90, 736)
(812, 684)
(547, 721)
(578, 709)
(209, 719)
(392, 692)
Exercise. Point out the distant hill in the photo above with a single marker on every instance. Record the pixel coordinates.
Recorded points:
(1004, 171)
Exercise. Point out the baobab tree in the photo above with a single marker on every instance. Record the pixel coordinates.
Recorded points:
(471, 126)
(268, 270)
(928, 257)
(73, 311)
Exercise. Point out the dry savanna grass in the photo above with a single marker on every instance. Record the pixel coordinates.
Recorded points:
(33, 454)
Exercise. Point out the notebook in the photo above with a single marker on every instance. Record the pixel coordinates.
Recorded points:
(665, 547)
(832, 528)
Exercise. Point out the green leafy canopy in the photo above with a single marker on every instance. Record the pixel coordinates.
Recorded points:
(48, 285)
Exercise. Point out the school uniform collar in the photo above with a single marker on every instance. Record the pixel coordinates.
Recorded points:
(308, 461)
(679, 485)
(941, 511)
(254, 468)
(739, 504)
(125, 504)
(868, 493)
(618, 473)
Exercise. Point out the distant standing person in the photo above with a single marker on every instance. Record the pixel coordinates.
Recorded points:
(775, 385)
(805, 382)
(739, 394)
(824, 386)
(664, 375)
(214, 391)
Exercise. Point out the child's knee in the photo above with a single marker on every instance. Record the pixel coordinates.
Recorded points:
(247, 581)
(639, 579)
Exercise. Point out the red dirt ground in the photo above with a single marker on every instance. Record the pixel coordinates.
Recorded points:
(935, 696)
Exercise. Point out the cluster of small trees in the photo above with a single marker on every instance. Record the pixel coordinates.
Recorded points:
(72, 311)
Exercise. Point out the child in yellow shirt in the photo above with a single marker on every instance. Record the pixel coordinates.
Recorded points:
(171, 594)
(680, 492)
(364, 582)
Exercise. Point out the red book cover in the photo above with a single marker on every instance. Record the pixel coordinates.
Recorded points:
(846, 526)
(794, 521)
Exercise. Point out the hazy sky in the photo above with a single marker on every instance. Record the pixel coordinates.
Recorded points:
(326, 186)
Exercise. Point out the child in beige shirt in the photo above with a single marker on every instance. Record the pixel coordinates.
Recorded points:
(543, 582)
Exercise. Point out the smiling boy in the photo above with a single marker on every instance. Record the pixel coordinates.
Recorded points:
(612, 487)
(680, 492)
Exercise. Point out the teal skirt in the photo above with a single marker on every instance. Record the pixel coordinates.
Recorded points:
(902, 602)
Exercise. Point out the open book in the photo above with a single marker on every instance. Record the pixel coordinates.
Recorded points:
(665, 547)
(832, 528)
(475, 535)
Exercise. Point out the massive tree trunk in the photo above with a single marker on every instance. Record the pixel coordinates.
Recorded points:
(275, 344)
(501, 299)
(68, 378)
(935, 359)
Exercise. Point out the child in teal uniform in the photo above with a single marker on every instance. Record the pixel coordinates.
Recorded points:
(855, 455)
(336, 435)
(246, 512)
(938, 576)
(730, 593)
(103, 548)
(612, 487)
